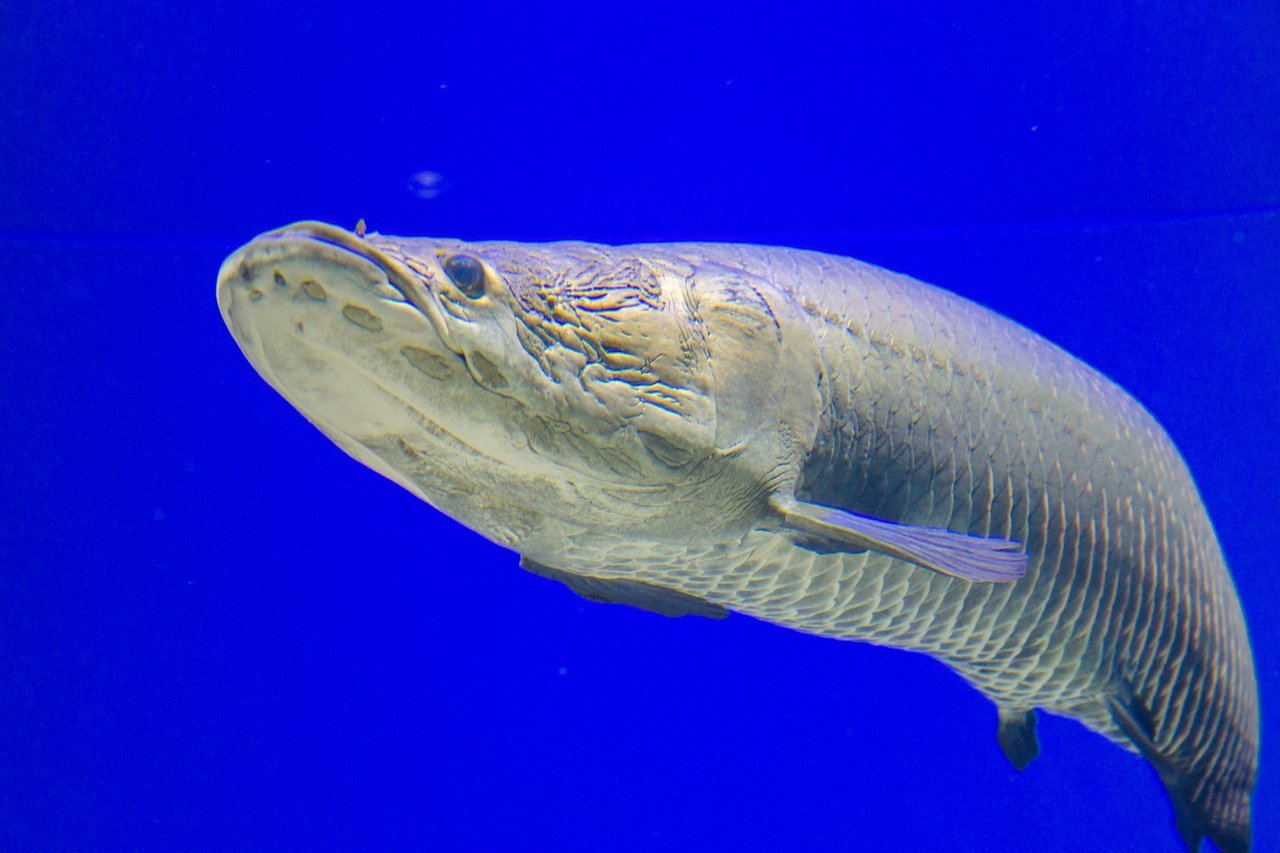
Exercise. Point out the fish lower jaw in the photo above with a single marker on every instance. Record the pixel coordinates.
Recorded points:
(324, 328)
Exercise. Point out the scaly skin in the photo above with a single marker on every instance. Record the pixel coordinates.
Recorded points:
(640, 406)
(942, 413)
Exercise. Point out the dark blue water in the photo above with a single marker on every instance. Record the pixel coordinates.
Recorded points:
(219, 633)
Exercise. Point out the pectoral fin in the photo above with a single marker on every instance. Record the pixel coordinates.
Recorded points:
(1017, 737)
(645, 596)
(973, 558)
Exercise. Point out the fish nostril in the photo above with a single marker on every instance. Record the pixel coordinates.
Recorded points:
(280, 280)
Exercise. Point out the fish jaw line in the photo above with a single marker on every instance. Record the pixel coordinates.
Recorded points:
(322, 326)
(395, 274)
(437, 436)
(355, 386)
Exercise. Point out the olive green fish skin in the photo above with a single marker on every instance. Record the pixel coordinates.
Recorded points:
(756, 371)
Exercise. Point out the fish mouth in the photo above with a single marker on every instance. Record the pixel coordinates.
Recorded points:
(389, 279)
(324, 317)
(354, 341)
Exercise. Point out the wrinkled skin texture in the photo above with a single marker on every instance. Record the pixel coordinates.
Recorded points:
(632, 412)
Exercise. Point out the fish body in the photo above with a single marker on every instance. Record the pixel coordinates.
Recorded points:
(807, 439)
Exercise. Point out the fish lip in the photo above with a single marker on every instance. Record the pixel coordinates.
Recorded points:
(399, 276)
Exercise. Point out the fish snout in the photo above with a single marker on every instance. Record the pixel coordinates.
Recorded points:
(310, 302)
(291, 275)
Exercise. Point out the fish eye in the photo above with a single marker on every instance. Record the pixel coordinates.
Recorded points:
(467, 273)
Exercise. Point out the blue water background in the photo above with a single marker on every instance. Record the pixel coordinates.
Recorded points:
(219, 633)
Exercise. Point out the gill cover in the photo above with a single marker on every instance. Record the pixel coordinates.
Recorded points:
(766, 370)
(767, 376)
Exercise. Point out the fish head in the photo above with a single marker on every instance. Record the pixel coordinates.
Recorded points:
(533, 392)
